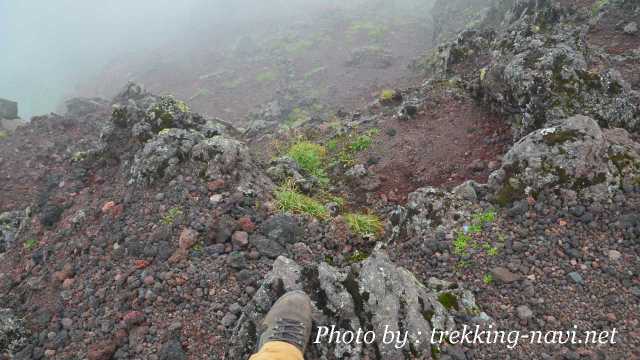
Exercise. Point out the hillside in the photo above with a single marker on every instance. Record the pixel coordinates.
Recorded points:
(479, 166)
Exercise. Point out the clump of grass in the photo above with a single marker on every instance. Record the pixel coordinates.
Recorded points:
(297, 117)
(483, 218)
(461, 243)
(3, 135)
(375, 31)
(363, 141)
(357, 256)
(345, 147)
(366, 225)
(290, 200)
(298, 47)
(448, 300)
(313, 72)
(266, 76)
(310, 157)
(182, 106)
(487, 279)
(172, 215)
(465, 239)
(30, 244)
(597, 6)
(387, 95)
(79, 156)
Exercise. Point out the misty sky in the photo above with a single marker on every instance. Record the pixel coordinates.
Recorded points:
(48, 46)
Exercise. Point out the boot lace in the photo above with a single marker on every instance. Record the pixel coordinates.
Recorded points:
(288, 330)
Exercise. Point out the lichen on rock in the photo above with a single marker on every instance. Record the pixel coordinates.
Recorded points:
(574, 153)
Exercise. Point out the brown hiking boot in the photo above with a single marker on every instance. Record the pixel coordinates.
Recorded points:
(289, 320)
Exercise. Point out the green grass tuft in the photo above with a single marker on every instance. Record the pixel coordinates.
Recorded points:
(448, 300)
(310, 157)
(597, 6)
(357, 256)
(461, 243)
(367, 225)
(290, 200)
(266, 76)
(171, 215)
(487, 279)
(363, 141)
(387, 94)
(30, 244)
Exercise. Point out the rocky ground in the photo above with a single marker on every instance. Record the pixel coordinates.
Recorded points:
(506, 179)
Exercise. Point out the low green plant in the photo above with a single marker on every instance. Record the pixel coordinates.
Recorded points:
(461, 243)
(448, 300)
(297, 117)
(487, 279)
(298, 47)
(461, 264)
(332, 145)
(597, 6)
(363, 141)
(465, 240)
(198, 247)
(311, 158)
(338, 200)
(172, 215)
(387, 95)
(267, 76)
(357, 256)
(485, 217)
(182, 106)
(79, 156)
(290, 200)
(3, 135)
(375, 31)
(30, 244)
(314, 71)
(366, 225)
(232, 84)
(492, 251)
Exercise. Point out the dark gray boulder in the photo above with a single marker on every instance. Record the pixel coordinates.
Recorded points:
(8, 109)
(573, 154)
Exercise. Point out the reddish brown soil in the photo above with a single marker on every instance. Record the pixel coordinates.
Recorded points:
(608, 35)
(438, 147)
(38, 153)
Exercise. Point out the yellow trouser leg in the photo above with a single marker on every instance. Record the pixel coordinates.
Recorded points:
(277, 350)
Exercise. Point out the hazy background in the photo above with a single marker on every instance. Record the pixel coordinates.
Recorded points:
(48, 47)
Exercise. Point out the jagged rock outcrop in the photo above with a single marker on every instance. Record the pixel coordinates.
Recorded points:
(13, 334)
(537, 67)
(160, 138)
(8, 109)
(429, 210)
(574, 154)
(10, 223)
(371, 295)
